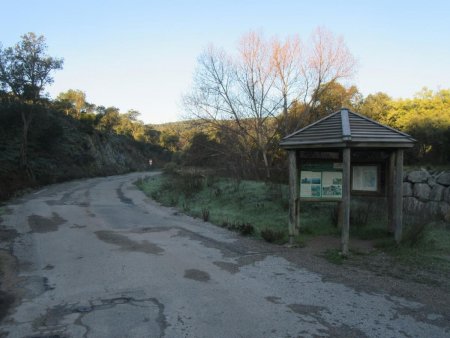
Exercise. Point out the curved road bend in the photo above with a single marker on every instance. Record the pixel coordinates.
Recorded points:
(99, 259)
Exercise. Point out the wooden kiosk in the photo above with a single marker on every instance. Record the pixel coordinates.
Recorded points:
(342, 155)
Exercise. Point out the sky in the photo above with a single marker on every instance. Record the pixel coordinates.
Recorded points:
(142, 55)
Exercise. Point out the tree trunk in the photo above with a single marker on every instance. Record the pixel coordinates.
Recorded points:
(24, 165)
(266, 164)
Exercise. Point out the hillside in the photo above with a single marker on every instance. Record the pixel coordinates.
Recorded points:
(63, 148)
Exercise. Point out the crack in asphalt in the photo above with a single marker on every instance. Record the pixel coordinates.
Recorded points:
(48, 324)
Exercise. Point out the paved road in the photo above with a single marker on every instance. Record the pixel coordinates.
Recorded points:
(98, 259)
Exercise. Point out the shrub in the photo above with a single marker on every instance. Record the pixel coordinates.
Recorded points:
(170, 168)
(334, 256)
(272, 236)
(245, 229)
(189, 182)
(205, 214)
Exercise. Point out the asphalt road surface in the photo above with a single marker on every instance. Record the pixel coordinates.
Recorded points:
(97, 258)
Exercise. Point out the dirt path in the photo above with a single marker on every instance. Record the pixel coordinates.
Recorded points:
(96, 258)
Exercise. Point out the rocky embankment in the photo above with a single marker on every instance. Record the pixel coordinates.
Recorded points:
(427, 193)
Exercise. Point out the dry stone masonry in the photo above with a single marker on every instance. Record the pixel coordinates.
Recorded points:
(427, 192)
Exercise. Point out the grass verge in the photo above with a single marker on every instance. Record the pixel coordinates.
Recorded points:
(261, 209)
(239, 205)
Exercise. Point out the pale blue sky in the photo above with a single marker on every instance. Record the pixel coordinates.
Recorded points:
(142, 54)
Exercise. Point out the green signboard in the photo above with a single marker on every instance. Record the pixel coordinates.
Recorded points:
(321, 180)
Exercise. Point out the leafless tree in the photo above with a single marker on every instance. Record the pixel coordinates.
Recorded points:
(240, 89)
(255, 88)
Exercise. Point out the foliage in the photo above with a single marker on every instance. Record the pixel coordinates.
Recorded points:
(25, 70)
(334, 256)
(205, 214)
(62, 147)
(426, 117)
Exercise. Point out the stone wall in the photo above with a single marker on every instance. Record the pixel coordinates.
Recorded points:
(427, 193)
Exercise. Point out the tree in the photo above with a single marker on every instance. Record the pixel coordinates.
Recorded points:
(74, 101)
(25, 70)
(202, 151)
(334, 98)
(263, 79)
(109, 118)
(239, 89)
(376, 106)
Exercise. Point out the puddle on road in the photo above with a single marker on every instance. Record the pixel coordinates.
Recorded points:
(127, 244)
(42, 224)
(198, 275)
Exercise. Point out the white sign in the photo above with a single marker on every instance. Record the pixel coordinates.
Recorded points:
(365, 178)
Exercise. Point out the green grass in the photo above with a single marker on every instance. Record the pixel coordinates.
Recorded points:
(334, 256)
(228, 201)
(263, 205)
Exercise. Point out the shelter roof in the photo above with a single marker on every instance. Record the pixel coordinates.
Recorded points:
(345, 128)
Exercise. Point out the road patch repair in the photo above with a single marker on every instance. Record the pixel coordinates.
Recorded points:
(42, 224)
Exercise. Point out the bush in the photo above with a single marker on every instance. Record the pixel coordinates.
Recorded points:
(189, 182)
(170, 168)
(244, 229)
(273, 236)
(205, 214)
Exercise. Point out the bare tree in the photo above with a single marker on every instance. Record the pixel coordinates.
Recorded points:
(261, 81)
(287, 62)
(327, 61)
(240, 89)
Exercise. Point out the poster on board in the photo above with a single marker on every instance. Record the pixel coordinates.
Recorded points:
(310, 184)
(332, 184)
(365, 178)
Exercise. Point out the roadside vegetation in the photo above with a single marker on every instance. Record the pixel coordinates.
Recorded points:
(260, 209)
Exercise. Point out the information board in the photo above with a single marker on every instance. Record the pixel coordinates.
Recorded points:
(365, 178)
(321, 180)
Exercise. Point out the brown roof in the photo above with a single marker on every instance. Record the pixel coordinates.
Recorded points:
(345, 128)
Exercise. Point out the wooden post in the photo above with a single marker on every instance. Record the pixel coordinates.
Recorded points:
(345, 204)
(398, 196)
(339, 215)
(293, 195)
(390, 192)
(297, 216)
